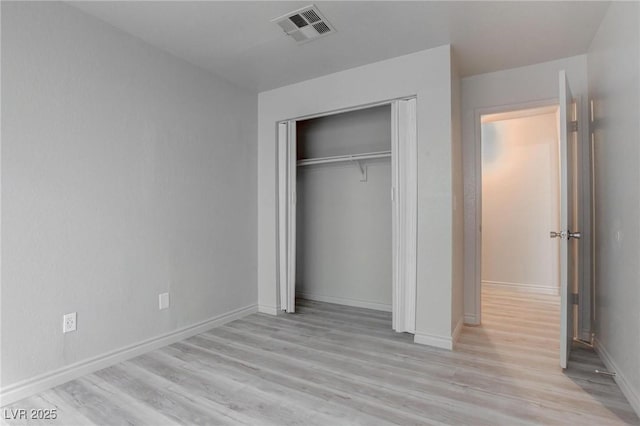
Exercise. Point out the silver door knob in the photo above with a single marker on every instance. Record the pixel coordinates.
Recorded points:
(565, 234)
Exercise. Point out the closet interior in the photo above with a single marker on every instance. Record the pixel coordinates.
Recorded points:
(344, 208)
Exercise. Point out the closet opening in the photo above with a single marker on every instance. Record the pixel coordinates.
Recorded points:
(343, 238)
(520, 264)
(347, 210)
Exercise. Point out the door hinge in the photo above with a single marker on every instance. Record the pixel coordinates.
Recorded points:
(573, 126)
(575, 299)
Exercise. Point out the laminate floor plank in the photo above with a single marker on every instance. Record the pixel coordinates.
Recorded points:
(312, 381)
(333, 378)
(439, 384)
(341, 361)
(494, 362)
(330, 364)
(443, 358)
(254, 405)
(147, 414)
(156, 393)
(576, 399)
(333, 307)
(308, 397)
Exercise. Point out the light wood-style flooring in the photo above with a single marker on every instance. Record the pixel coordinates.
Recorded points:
(336, 365)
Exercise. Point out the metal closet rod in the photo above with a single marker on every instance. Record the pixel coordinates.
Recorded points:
(344, 158)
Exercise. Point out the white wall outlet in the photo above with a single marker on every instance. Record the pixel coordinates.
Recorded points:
(69, 322)
(163, 301)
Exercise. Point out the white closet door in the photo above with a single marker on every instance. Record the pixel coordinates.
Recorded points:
(291, 255)
(287, 214)
(404, 192)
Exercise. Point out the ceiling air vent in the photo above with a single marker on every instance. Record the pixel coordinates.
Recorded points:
(305, 24)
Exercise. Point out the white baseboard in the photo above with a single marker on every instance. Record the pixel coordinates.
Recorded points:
(633, 395)
(456, 331)
(529, 288)
(271, 310)
(471, 319)
(345, 301)
(23, 389)
(433, 340)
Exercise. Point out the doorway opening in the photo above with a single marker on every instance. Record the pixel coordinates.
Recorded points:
(521, 190)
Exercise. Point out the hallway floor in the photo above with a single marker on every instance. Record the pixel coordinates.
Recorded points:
(522, 329)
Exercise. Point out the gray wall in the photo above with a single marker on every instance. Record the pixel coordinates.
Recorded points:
(614, 87)
(125, 173)
(344, 225)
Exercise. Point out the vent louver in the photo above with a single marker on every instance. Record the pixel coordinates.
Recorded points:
(311, 16)
(321, 27)
(305, 24)
(298, 20)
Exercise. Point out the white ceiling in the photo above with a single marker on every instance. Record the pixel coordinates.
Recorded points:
(236, 39)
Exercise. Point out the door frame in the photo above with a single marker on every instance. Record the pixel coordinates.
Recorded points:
(478, 113)
(404, 197)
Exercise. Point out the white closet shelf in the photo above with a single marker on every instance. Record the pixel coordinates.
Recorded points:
(344, 158)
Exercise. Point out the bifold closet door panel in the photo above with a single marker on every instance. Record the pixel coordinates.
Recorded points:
(344, 234)
(287, 214)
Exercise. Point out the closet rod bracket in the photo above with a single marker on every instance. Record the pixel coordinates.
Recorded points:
(363, 170)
